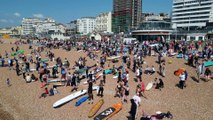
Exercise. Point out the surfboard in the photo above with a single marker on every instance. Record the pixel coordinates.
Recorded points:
(32, 69)
(55, 80)
(207, 64)
(98, 76)
(58, 84)
(109, 112)
(149, 86)
(113, 57)
(179, 56)
(69, 98)
(95, 108)
(79, 102)
(116, 76)
(108, 71)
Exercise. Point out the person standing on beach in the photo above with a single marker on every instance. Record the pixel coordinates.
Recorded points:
(182, 80)
(126, 93)
(137, 101)
(74, 83)
(104, 77)
(90, 94)
(101, 88)
(198, 71)
(133, 109)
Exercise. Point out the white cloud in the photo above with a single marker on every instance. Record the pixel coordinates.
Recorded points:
(3, 21)
(38, 15)
(17, 14)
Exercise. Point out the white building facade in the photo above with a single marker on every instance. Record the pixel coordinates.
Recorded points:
(28, 25)
(104, 22)
(86, 25)
(192, 14)
(44, 26)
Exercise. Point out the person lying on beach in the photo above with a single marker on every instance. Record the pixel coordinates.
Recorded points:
(150, 70)
(158, 116)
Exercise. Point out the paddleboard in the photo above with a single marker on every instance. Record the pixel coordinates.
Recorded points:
(207, 64)
(113, 57)
(55, 80)
(96, 88)
(109, 112)
(179, 56)
(78, 103)
(98, 76)
(32, 69)
(115, 77)
(95, 108)
(59, 84)
(149, 86)
(108, 71)
(69, 98)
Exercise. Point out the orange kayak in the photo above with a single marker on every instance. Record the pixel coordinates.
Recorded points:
(109, 112)
(95, 108)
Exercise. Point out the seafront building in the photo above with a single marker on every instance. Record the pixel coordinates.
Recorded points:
(154, 30)
(28, 25)
(126, 15)
(152, 16)
(191, 17)
(192, 14)
(104, 23)
(72, 27)
(86, 25)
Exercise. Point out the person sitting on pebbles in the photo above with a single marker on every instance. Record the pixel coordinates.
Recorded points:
(159, 85)
(28, 78)
(45, 93)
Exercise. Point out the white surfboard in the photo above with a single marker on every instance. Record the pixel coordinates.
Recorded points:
(149, 86)
(32, 69)
(115, 77)
(96, 88)
(55, 80)
(113, 57)
(69, 98)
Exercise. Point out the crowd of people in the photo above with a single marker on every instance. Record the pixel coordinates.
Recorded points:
(132, 57)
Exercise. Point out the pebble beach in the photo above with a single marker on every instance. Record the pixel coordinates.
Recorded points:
(21, 100)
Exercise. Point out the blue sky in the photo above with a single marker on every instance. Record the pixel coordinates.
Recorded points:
(12, 11)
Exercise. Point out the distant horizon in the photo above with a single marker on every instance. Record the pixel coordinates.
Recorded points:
(66, 11)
